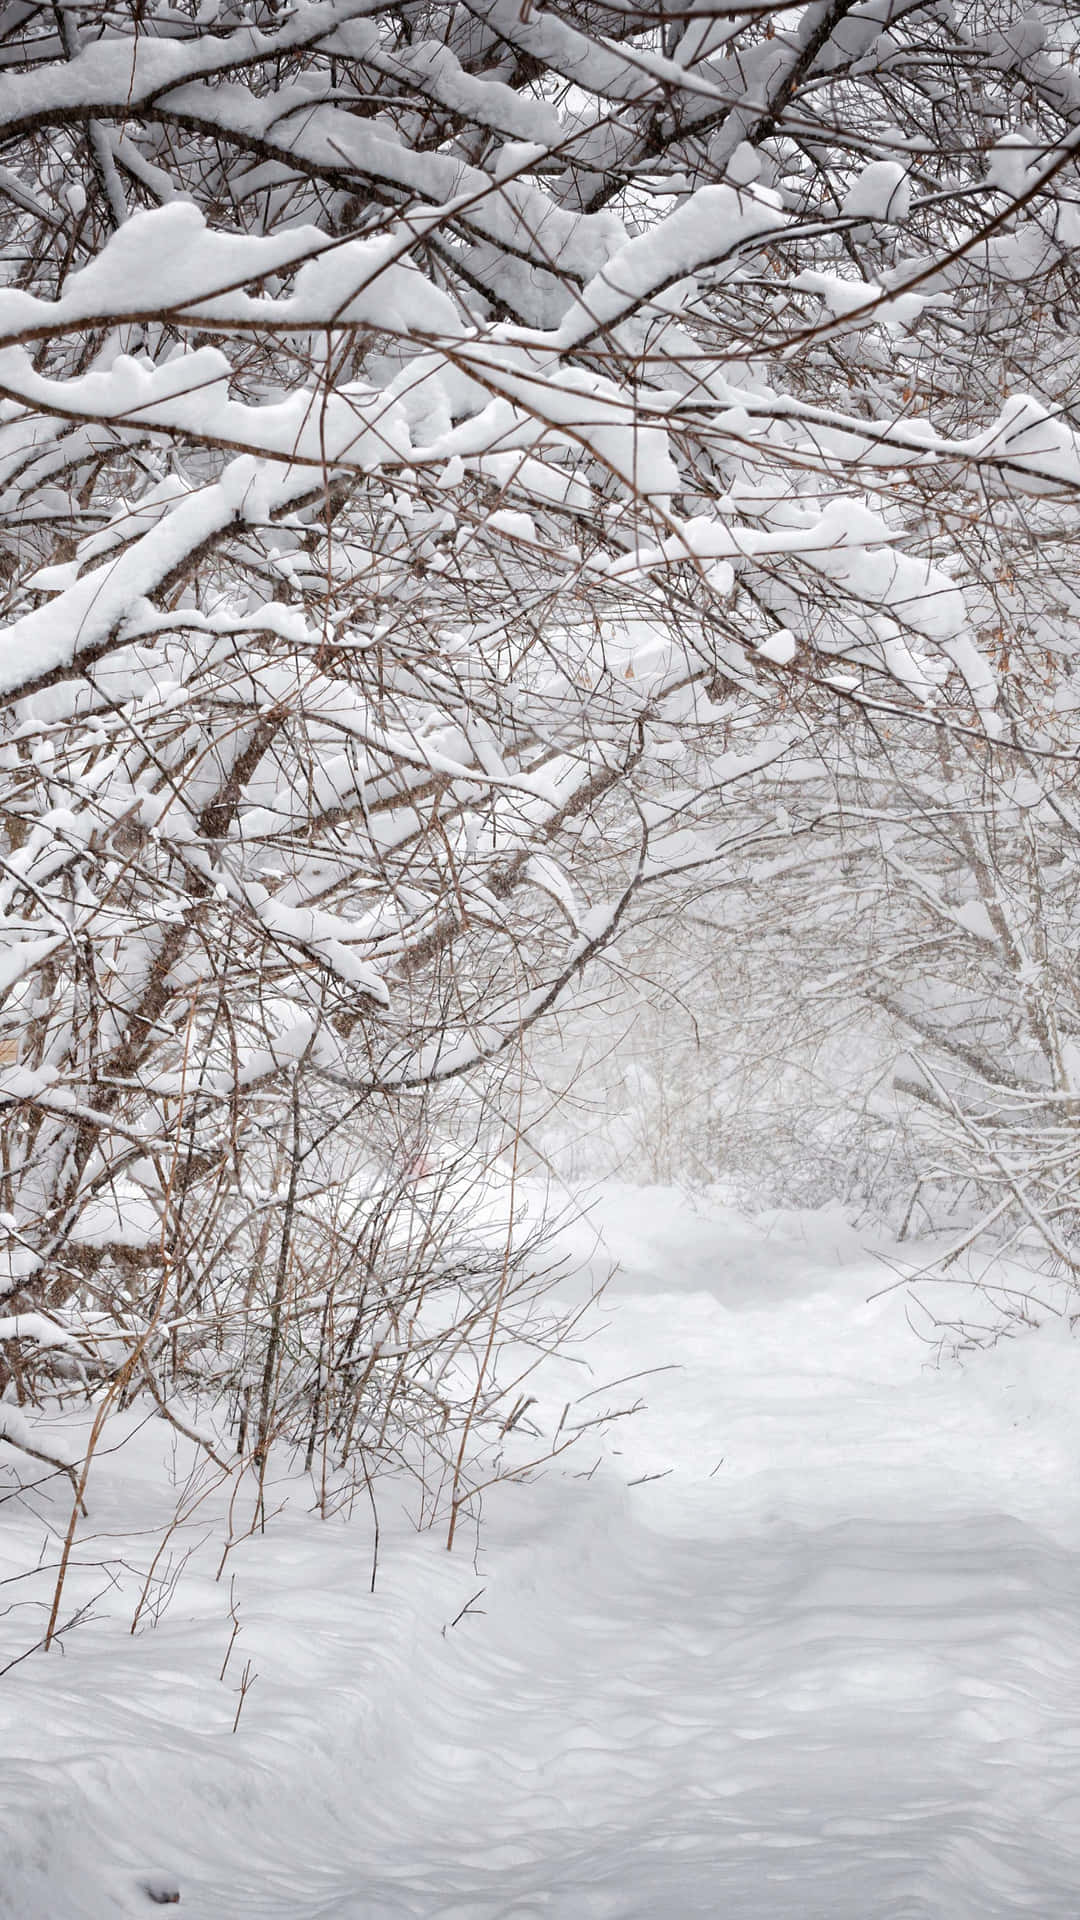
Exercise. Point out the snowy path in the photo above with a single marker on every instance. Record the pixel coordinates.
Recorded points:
(827, 1668)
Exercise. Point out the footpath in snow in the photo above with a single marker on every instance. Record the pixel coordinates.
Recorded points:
(800, 1641)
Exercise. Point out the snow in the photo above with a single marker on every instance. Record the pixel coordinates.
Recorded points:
(798, 1641)
(160, 259)
(32, 1326)
(23, 955)
(881, 192)
(88, 612)
(16, 1428)
(861, 301)
(1009, 164)
(974, 918)
(117, 71)
(780, 647)
(118, 1219)
(712, 225)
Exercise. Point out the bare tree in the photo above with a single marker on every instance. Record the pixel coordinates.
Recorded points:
(448, 455)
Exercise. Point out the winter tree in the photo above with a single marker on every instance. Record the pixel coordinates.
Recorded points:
(460, 465)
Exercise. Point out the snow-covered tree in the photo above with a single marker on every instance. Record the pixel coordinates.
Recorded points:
(447, 454)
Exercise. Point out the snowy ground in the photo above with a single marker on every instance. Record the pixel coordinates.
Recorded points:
(827, 1666)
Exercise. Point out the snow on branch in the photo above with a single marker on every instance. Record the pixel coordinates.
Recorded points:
(457, 467)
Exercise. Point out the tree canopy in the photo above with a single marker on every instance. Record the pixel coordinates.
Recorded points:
(455, 461)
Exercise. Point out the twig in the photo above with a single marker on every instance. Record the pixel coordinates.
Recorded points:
(247, 1679)
(236, 1627)
(467, 1608)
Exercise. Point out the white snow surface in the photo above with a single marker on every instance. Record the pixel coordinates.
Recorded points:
(826, 1668)
(882, 192)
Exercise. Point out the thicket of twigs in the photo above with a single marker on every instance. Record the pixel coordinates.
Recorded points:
(474, 477)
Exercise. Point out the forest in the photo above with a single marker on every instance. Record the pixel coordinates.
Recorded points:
(540, 579)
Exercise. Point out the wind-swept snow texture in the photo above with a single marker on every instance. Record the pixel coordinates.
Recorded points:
(826, 1668)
